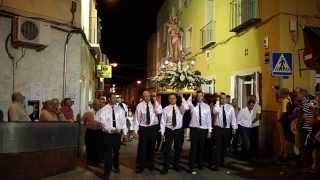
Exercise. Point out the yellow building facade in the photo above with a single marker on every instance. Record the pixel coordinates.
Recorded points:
(230, 41)
(229, 54)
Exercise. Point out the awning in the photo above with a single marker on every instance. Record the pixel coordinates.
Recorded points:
(311, 55)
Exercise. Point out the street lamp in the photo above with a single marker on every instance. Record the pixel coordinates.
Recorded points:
(114, 64)
(139, 82)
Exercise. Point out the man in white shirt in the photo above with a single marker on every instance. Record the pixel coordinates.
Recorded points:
(200, 129)
(225, 120)
(93, 134)
(145, 123)
(255, 127)
(172, 130)
(113, 121)
(245, 119)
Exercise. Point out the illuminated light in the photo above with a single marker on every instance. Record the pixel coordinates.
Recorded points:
(193, 62)
(163, 66)
(101, 79)
(139, 82)
(114, 64)
(166, 62)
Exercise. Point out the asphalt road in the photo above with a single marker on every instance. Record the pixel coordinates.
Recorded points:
(236, 170)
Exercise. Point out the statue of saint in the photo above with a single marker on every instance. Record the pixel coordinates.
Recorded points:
(175, 34)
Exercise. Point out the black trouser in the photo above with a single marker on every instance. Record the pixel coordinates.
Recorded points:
(111, 151)
(209, 150)
(93, 140)
(158, 139)
(147, 138)
(198, 138)
(176, 137)
(222, 137)
(255, 141)
(245, 133)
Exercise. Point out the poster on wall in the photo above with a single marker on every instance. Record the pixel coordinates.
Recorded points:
(36, 91)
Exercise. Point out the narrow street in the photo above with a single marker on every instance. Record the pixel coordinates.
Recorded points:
(235, 170)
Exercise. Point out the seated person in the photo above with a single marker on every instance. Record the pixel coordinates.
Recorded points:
(51, 112)
(16, 111)
(67, 110)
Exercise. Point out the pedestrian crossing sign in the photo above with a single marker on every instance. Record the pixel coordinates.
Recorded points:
(282, 64)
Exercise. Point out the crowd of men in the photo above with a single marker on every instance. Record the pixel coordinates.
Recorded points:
(216, 125)
(212, 121)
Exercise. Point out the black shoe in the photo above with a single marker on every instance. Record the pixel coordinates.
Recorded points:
(164, 171)
(193, 172)
(116, 170)
(139, 170)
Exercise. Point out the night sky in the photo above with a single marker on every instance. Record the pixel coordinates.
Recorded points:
(126, 28)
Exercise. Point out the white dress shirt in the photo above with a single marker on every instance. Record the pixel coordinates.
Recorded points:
(104, 116)
(166, 118)
(245, 117)
(256, 111)
(140, 117)
(206, 121)
(230, 116)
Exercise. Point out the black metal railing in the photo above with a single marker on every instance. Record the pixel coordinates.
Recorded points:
(243, 13)
(207, 34)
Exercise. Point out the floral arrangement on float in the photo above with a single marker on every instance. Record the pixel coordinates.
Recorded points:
(178, 77)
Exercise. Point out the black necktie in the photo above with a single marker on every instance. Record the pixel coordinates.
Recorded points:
(224, 117)
(113, 118)
(200, 119)
(148, 114)
(174, 118)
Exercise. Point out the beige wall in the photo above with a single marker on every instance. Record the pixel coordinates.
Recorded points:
(57, 10)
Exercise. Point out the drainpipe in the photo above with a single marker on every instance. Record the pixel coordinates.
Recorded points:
(64, 85)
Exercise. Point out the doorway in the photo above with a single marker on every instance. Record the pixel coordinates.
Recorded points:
(246, 86)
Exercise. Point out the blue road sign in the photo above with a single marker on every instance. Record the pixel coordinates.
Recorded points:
(282, 64)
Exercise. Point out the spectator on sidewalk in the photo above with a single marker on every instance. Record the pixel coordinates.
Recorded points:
(16, 111)
(67, 110)
(51, 112)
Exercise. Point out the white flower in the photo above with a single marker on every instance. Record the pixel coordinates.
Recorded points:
(182, 77)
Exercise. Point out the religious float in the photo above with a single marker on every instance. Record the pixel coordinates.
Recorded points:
(176, 74)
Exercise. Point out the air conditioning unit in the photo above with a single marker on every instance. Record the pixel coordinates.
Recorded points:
(30, 33)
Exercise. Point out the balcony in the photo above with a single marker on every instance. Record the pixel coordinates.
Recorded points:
(243, 13)
(207, 35)
(94, 31)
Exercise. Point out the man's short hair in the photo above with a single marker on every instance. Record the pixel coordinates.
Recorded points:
(14, 96)
(251, 101)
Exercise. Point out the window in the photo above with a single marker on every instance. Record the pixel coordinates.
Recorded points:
(209, 11)
(180, 6)
(207, 31)
(243, 14)
(188, 37)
